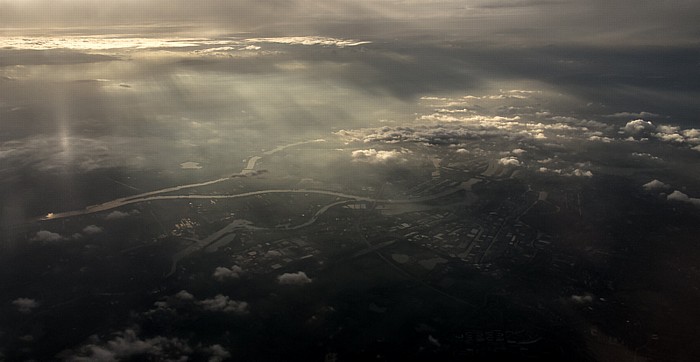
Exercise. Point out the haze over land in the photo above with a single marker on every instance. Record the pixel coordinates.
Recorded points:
(402, 180)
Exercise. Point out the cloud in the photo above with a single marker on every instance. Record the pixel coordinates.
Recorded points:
(646, 155)
(509, 161)
(655, 185)
(116, 214)
(638, 127)
(184, 295)
(664, 132)
(581, 173)
(222, 303)
(310, 40)
(462, 151)
(455, 129)
(518, 151)
(95, 43)
(25, 305)
(47, 236)
(674, 134)
(222, 273)
(128, 345)
(681, 197)
(573, 173)
(631, 114)
(218, 353)
(373, 156)
(298, 278)
(582, 299)
(92, 229)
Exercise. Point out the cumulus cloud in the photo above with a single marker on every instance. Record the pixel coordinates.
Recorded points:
(25, 305)
(128, 345)
(509, 161)
(518, 151)
(116, 214)
(298, 278)
(664, 132)
(373, 156)
(462, 151)
(47, 236)
(581, 173)
(218, 353)
(675, 134)
(222, 303)
(637, 115)
(92, 229)
(582, 299)
(184, 295)
(681, 197)
(638, 127)
(646, 155)
(451, 129)
(655, 185)
(571, 173)
(223, 273)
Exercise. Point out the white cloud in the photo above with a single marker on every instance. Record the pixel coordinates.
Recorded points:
(47, 236)
(454, 129)
(681, 197)
(92, 229)
(310, 40)
(127, 345)
(663, 132)
(222, 303)
(645, 154)
(670, 137)
(96, 43)
(632, 114)
(509, 161)
(273, 254)
(692, 133)
(600, 139)
(218, 353)
(184, 295)
(581, 173)
(638, 126)
(373, 156)
(655, 185)
(298, 278)
(581, 299)
(572, 173)
(222, 273)
(462, 150)
(116, 214)
(25, 305)
(518, 151)
(664, 128)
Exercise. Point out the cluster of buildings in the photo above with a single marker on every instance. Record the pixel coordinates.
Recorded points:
(269, 256)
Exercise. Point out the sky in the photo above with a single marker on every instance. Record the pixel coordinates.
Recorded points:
(616, 22)
(91, 85)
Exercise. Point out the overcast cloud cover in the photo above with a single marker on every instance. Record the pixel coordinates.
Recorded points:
(615, 21)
